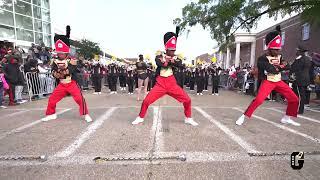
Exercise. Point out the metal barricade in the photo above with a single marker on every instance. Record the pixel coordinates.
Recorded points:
(224, 80)
(40, 84)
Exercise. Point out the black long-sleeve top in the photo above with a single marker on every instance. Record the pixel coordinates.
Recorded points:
(160, 65)
(266, 68)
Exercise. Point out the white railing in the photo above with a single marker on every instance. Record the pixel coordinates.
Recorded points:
(39, 84)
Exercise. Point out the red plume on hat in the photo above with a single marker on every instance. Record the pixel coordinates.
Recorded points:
(273, 39)
(62, 42)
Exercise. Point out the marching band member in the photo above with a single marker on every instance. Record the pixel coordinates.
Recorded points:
(179, 75)
(97, 74)
(65, 69)
(142, 75)
(215, 74)
(113, 77)
(192, 79)
(270, 66)
(206, 77)
(130, 78)
(166, 83)
(122, 77)
(200, 75)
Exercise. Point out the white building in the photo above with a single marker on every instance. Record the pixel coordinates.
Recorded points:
(23, 22)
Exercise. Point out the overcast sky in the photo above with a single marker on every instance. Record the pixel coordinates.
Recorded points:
(127, 28)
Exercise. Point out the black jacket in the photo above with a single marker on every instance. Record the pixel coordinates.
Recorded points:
(300, 69)
(13, 74)
(160, 64)
(264, 65)
(96, 71)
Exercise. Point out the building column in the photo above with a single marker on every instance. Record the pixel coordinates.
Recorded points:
(228, 58)
(237, 61)
(220, 58)
(253, 53)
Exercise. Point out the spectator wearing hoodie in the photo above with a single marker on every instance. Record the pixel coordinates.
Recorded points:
(3, 51)
(30, 68)
(11, 71)
(20, 84)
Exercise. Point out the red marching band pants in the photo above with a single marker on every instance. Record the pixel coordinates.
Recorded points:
(280, 87)
(61, 91)
(169, 86)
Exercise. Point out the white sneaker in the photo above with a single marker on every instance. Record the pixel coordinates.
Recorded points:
(287, 120)
(190, 121)
(99, 93)
(137, 121)
(241, 119)
(95, 93)
(213, 94)
(198, 94)
(3, 107)
(307, 107)
(115, 92)
(205, 90)
(201, 94)
(23, 101)
(49, 117)
(87, 118)
(216, 94)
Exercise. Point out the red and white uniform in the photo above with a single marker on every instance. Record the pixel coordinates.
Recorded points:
(67, 85)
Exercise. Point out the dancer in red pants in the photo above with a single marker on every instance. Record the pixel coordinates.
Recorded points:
(165, 81)
(269, 68)
(65, 69)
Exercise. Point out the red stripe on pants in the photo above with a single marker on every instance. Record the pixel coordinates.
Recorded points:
(281, 87)
(61, 91)
(169, 86)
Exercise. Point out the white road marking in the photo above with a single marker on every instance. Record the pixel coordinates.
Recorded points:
(285, 128)
(299, 116)
(19, 129)
(248, 147)
(14, 114)
(156, 134)
(85, 135)
(314, 110)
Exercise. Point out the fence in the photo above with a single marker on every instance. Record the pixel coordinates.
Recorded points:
(240, 83)
(40, 84)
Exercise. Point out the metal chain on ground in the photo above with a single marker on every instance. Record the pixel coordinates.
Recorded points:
(41, 158)
(259, 154)
(102, 159)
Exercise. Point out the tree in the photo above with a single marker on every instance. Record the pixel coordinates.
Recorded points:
(224, 17)
(88, 49)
